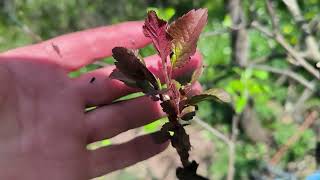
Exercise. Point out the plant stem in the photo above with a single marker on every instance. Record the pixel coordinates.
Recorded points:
(165, 72)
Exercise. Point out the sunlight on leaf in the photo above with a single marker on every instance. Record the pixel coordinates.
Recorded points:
(185, 32)
(211, 94)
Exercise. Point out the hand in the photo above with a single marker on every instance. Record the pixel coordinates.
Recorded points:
(44, 129)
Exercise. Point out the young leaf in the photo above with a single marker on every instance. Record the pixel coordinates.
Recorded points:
(132, 71)
(185, 32)
(211, 94)
(188, 113)
(189, 81)
(156, 29)
(116, 74)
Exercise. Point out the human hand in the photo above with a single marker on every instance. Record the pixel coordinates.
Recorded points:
(44, 129)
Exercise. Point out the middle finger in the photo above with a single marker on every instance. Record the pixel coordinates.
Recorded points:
(108, 121)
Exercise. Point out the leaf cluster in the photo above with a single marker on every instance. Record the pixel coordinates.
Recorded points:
(175, 44)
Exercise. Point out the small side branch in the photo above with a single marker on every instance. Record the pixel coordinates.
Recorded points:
(229, 141)
(232, 147)
(278, 37)
(288, 73)
(305, 125)
(212, 130)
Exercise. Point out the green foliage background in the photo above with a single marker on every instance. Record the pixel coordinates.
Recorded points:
(50, 18)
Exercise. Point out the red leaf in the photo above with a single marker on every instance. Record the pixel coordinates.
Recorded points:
(156, 29)
(117, 74)
(185, 32)
(131, 70)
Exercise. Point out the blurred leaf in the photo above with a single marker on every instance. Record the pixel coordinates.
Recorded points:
(227, 21)
(240, 103)
(163, 13)
(211, 94)
(263, 75)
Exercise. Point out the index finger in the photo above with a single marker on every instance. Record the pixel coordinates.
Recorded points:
(78, 49)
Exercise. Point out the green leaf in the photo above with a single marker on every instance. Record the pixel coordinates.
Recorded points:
(185, 32)
(211, 94)
(240, 104)
(263, 75)
(163, 13)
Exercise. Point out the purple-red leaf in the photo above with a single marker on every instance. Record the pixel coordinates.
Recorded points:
(117, 74)
(211, 94)
(156, 29)
(132, 71)
(188, 113)
(185, 32)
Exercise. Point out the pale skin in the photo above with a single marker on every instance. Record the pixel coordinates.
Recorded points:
(44, 129)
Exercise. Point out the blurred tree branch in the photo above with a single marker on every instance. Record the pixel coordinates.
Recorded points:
(9, 7)
(212, 130)
(285, 72)
(312, 47)
(310, 119)
(276, 35)
(231, 142)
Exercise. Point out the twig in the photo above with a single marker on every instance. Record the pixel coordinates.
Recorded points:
(264, 30)
(230, 142)
(168, 168)
(212, 130)
(274, 18)
(294, 9)
(276, 35)
(280, 173)
(312, 47)
(232, 148)
(271, 56)
(292, 52)
(11, 10)
(305, 125)
(314, 24)
(240, 52)
(305, 95)
(239, 36)
(288, 73)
